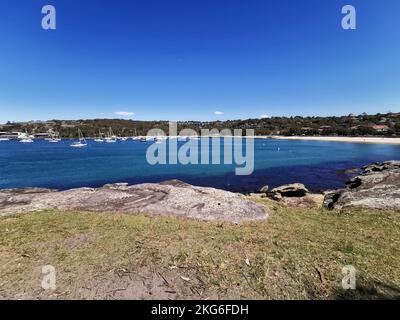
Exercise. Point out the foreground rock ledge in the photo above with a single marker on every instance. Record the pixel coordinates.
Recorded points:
(377, 187)
(170, 198)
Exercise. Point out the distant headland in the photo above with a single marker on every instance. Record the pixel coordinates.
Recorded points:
(363, 125)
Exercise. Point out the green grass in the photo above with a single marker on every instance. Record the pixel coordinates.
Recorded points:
(295, 254)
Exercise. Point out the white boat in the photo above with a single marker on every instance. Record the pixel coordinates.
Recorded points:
(81, 143)
(54, 137)
(26, 140)
(24, 137)
(4, 139)
(100, 138)
(111, 137)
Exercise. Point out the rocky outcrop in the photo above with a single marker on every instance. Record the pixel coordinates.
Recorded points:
(288, 190)
(377, 187)
(173, 198)
(310, 200)
(292, 195)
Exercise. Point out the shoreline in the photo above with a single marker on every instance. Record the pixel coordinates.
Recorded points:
(376, 140)
(366, 140)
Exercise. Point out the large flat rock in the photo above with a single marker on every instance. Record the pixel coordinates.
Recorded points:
(377, 187)
(170, 198)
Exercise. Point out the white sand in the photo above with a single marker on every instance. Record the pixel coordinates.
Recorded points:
(342, 139)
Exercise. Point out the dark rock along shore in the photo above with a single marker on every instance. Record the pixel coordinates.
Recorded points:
(377, 187)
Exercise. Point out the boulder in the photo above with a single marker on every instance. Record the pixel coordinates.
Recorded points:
(170, 198)
(289, 190)
(381, 166)
(264, 189)
(310, 200)
(377, 187)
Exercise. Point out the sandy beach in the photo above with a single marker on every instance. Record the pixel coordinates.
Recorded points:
(384, 140)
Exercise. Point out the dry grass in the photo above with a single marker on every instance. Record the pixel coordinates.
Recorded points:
(296, 254)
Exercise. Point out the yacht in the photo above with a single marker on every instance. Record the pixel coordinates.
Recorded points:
(111, 138)
(81, 143)
(100, 138)
(55, 138)
(26, 140)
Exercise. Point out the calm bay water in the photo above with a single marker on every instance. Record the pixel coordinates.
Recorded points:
(317, 164)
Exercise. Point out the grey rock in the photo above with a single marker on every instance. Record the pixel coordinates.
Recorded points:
(264, 189)
(170, 198)
(116, 186)
(377, 187)
(27, 191)
(381, 166)
(310, 200)
(289, 190)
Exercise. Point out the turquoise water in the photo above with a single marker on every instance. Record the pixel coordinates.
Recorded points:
(318, 164)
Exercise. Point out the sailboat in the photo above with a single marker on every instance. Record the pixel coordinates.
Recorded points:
(100, 138)
(81, 143)
(55, 138)
(25, 137)
(26, 140)
(111, 137)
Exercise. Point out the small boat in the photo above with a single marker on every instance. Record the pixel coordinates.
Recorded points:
(4, 139)
(111, 137)
(26, 140)
(81, 143)
(55, 138)
(100, 138)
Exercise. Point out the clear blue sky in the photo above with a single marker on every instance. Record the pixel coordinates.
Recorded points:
(187, 59)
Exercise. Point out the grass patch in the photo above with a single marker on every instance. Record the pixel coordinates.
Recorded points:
(295, 254)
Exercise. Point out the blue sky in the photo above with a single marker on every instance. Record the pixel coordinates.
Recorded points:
(186, 60)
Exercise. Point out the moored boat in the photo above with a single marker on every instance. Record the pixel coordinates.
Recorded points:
(81, 143)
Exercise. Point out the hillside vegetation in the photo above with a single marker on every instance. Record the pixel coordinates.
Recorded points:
(351, 125)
